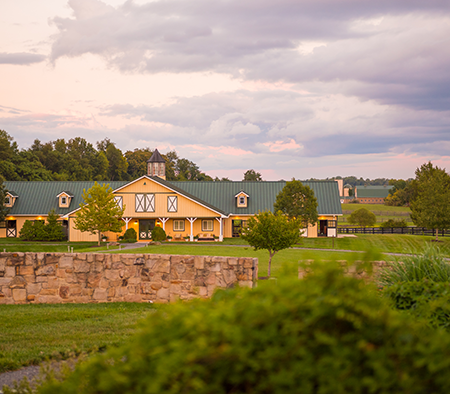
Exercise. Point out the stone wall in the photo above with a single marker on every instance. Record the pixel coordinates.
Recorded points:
(97, 277)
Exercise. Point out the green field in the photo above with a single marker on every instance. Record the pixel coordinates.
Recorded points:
(382, 212)
(30, 334)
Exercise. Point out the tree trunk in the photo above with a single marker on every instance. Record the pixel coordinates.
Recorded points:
(99, 238)
(437, 234)
(269, 269)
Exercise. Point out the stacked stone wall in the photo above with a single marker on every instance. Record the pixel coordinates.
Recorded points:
(96, 277)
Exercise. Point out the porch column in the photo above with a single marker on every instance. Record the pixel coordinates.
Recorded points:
(220, 220)
(126, 220)
(191, 220)
(163, 221)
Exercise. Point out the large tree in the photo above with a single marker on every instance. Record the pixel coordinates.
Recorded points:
(3, 209)
(273, 232)
(430, 204)
(252, 175)
(297, 200)
(99, 212)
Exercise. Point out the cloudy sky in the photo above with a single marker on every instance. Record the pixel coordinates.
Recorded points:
(290, 88)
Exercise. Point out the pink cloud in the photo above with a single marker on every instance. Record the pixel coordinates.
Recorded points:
(279, 146)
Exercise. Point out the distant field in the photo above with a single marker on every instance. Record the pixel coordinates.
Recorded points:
(382, 212)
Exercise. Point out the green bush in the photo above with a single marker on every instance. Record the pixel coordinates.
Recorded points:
(392, 223)
(38, 230)
(324, 334)
(158, 234)
(130, 235)
(362, 217)
(28, 231)
(430, 265)
(423, 299)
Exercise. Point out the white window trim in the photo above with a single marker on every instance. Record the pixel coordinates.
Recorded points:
(204, 221)
(180, 221)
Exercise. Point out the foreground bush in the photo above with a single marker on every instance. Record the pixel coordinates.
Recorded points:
(430, 265)
(38, 230)
(324, 334)
(423, 299)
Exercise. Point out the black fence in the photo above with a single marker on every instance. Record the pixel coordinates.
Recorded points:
(397, 230)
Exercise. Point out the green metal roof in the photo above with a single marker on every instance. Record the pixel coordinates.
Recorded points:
(262, 195)
(39, 198)
(373, 191)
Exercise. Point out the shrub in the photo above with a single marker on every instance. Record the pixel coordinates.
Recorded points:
(430, 265)
(423, 299)
(27, 232)
(392, 223)
(324, 334)
(362, 217)
(53, 228)
(158, 234)
(130, 235)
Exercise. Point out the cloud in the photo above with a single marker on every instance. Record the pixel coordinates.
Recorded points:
(21, 58)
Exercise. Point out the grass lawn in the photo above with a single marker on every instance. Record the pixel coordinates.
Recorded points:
(382, 212)
(30, 334)
(17, 245)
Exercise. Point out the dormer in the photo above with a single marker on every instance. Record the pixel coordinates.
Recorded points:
(64, 199)
(156, 165)
(10, 199)
(241, 199)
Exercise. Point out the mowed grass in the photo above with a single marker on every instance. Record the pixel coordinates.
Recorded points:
(30, 334)
(382, 212)
(17, 245)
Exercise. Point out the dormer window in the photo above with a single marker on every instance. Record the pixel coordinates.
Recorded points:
(64, 199)
(10, 199)
(242, 199)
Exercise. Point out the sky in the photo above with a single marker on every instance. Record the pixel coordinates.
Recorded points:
(289, 88)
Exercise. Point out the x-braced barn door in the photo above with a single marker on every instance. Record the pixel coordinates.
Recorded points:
(145, 228)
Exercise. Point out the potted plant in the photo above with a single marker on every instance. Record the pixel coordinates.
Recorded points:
(216, 238)
(104, 238)
(169, 238)
(196, 238)
(187, 238)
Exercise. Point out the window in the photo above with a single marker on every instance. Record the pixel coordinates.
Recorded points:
(145, 203)
(242, 200)
(119, 201)
(332, 223)
(207, 225)
(8, 200)
(172, 204)
(178, 225)
(3, 224)
(63, 200)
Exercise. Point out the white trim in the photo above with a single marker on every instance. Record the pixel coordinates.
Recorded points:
(68, 195)
(221, 228)
(127, 220)
(242, 192)
(164, 220)
(191, 220)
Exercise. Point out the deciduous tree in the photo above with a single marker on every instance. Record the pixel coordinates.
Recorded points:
(252, 175)
(3, 209)
(430, 204)
(99, 212)
(362, 217)
(273, 232)
(297, 201)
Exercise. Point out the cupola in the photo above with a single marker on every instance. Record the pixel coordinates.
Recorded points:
(156, 165)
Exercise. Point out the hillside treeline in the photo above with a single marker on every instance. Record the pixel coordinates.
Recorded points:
(78, 160)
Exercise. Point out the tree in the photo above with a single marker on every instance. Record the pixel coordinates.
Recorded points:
(252, 175)
(273, 232)
(430, 204)
(3, 209)
(363, 218)
(99, 212)
(297, 201)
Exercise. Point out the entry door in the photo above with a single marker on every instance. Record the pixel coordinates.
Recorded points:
(145, 228)
(323, 228)
(11, 230)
